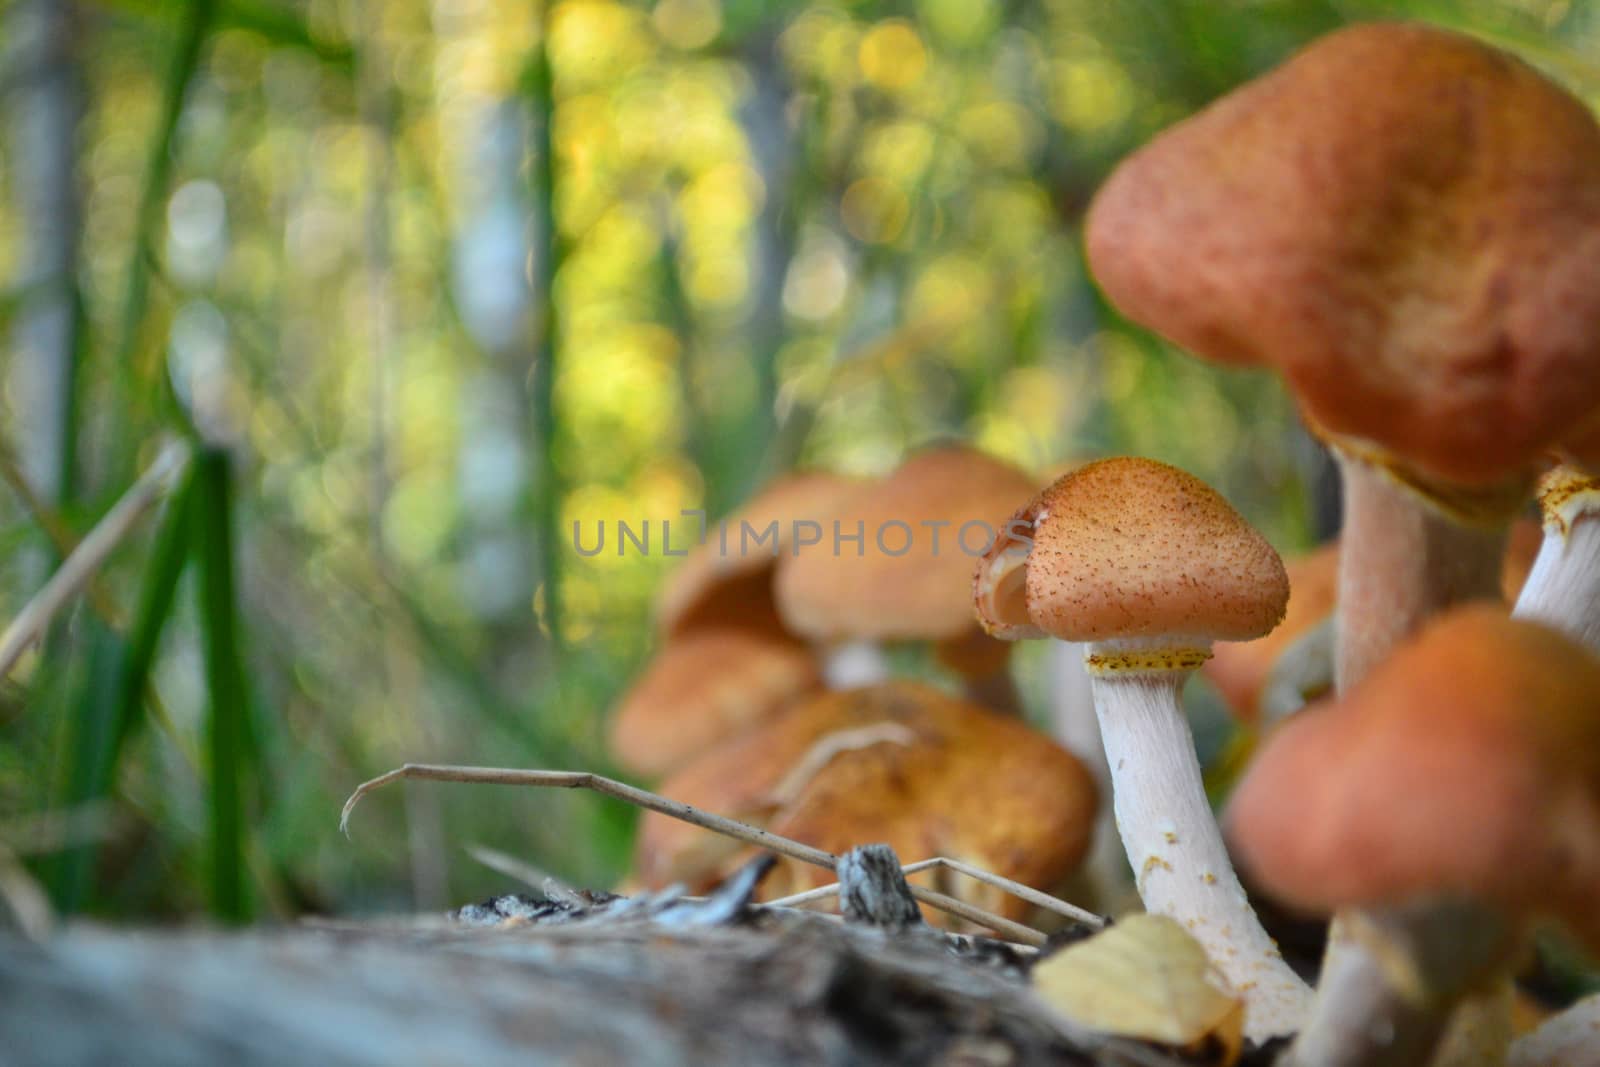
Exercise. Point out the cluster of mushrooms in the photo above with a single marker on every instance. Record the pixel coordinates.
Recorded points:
(1405, 224)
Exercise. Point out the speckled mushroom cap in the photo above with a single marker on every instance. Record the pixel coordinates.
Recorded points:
(1404, 222)
(728, 577)
(1468, 763)
(704, 686)
(923, 772)
(904, 588)
(1132, 548)
(1240, 668)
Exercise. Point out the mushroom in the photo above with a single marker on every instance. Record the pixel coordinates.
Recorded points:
(899, 763)
(728, 575)
(1148, 566)
(896, 563)
(703, 686)
(1448, 801)
(1563, 586)
(725, 661)
(1404, 222)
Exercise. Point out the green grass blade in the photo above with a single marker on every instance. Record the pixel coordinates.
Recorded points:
(109, 707)
(90, 753)
(226, 730)
(547, 256)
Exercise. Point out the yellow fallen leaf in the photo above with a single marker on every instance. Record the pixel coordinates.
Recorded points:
(1146, 978)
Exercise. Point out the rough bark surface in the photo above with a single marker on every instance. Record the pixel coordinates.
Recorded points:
(774, 987)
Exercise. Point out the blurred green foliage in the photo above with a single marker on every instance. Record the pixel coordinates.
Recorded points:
(434, 279)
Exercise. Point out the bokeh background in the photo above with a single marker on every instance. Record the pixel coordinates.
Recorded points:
(428, 281)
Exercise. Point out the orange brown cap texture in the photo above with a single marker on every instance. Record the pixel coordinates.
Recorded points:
(957, 780)
(1404, 222)
(703, 686)
(1467, 764)
(922, 592)
(727, 578)
(1131, 548)
(1239, 668)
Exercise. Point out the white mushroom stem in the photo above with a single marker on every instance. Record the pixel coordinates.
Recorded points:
(1568, 1039)
(854, 663)
(1402, 560)
(1171, 837)
(1563, 588)
(1104, 874)
(1385, 998)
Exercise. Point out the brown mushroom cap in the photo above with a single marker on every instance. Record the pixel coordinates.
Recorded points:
(1405, 222)
(703, 686)
(956, 779)
(1468, 763)
(1128, 548)
(921, 594)
(1240, 668)
(725, 581)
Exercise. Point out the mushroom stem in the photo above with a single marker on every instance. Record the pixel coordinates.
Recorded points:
(1402, 561)
(854, 663)
(1386, 997)
(1171, 838)
(1561, 1040)
(1104, 875)
(1563, 588)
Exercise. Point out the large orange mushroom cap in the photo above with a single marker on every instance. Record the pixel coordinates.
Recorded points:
(923, 772)
(1130, 548)
(1467, 764)
(1404, 222)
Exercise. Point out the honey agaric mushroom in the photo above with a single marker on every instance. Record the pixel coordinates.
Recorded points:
(703, 686)
(1148, 566)
(729, 574)
(899, 763)
(1404, 222)
(907, 577)
(1563, 587)
(1451, 798)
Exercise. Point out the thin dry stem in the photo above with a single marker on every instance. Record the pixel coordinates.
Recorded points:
(610, 787)
(77, 569)
(512, 867)
(1016, 889)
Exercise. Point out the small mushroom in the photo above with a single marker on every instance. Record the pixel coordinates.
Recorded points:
(1403, 222)
(896, 563)
(1444, 804)
(728, 576)
(1148, 566)
(1563, 586)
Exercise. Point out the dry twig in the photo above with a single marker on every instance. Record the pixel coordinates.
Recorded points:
(751, 835)
(77, 569)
